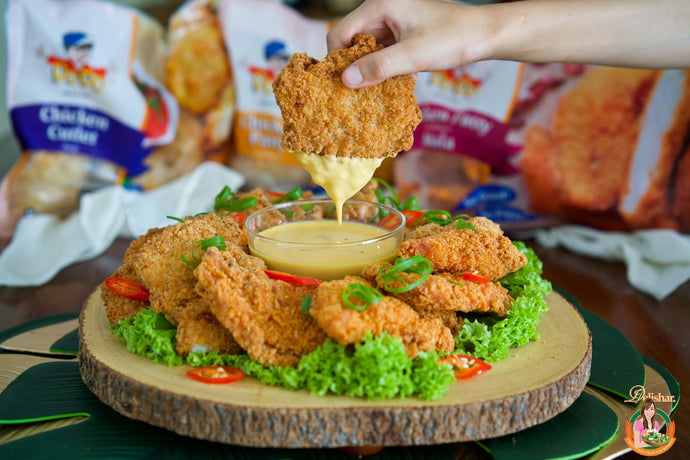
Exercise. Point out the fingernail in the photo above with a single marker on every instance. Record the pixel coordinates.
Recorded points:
(352, 76)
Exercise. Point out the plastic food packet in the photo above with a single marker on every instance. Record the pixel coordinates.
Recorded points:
(85, 100)
(198, 72)
(613, 152)
(463, 139)
(600, 146)
(260, 37)
(89, 106)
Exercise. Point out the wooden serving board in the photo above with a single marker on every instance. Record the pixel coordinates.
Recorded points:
(536, 383)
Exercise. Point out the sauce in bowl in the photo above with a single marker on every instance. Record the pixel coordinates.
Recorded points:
(321, 247)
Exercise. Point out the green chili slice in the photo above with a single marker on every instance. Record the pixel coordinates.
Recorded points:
(358, 296)
(416, 264)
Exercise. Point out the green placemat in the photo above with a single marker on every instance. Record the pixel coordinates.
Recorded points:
(68, 344)
(35, 324)
(673, 385)
(616, 364)
(55, 390)
(586, 426)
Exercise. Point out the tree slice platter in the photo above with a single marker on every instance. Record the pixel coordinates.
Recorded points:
(537, 382)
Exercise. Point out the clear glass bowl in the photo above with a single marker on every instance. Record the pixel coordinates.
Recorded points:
(304, 237)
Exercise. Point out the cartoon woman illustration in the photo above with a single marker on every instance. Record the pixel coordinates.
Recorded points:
(646, 422)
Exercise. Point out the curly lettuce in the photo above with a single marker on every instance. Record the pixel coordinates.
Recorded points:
(151, 335)
(490, 338)
(376, 368)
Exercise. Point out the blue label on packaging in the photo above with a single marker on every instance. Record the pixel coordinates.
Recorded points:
(506, 214)
(73, 129)
(486, 195)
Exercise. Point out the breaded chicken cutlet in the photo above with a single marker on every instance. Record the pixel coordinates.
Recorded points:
(171, 283)
(445, 291)
(264, 315)
(391, 315)
(483, 250)
(322, 116)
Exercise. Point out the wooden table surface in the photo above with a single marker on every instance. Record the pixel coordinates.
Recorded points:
(659, 330)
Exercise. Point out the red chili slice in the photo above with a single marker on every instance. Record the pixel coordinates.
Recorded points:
(128, 288)
(411, 215)
(476, 277)
(389, 222)
(215, 374)
(294, 279)
(273, 195)
(466, 366)
(239, 218)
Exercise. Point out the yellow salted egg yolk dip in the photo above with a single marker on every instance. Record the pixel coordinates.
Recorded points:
(340, 177)
(324, 249)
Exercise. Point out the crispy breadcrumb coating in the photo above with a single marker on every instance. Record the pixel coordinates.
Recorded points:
(263, 314)
(323, 116)
(171, 282)
(118, 307)
(391, 315)
(446, 291)
(449, 249)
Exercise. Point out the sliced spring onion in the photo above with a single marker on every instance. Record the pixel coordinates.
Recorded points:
(462, 222)
(416, 264)
(292, 195)
(358, 296)
(217, 241)
(227, 200)
(393, 200)
(306, 304)
(437, 216)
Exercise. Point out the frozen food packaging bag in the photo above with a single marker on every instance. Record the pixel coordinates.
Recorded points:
(198, 73)
(260, 37)
(86, 102)
(463, 139)
(593, 145)
(611, 154)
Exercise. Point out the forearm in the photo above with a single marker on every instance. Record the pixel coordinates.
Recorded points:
(632, 33)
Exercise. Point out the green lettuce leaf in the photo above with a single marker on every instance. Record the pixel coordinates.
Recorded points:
(151, 335)
(490, 338)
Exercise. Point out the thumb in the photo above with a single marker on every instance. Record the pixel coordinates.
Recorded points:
(378, 66)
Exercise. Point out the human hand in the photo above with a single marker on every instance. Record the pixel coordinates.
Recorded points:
(418, 35)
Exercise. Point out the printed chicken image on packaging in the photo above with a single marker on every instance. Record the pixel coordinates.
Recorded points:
(86, 102)
(611, 155)
(260, 37)
(197, 72)
(554, 143)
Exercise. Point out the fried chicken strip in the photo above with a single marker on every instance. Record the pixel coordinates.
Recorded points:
(322, 116)
(485, 251)
(119, 307)
(171, 282)
(445, 291)
(264, 315)
(391, 315)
